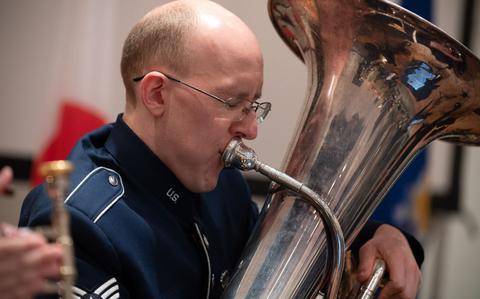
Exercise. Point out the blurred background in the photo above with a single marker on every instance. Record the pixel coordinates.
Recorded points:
(60, 76)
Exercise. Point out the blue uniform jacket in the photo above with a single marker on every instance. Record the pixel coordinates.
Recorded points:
(138, 232)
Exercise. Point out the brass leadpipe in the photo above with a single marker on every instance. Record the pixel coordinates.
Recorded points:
(244, 158)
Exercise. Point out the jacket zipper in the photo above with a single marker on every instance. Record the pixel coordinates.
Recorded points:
(200, 236)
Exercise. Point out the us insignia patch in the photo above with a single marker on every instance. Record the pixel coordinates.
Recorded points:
(108, 290)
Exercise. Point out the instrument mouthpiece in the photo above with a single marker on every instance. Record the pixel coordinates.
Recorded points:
(238, 155)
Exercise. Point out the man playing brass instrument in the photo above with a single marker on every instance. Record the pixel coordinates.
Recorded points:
(154, 212)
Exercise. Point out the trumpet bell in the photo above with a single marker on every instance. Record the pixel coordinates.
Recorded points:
(382, 84)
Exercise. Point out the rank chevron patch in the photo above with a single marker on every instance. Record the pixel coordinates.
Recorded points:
(108, 290)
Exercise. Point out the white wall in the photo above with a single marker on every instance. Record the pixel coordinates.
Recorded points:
(29, 89)
(452, 268)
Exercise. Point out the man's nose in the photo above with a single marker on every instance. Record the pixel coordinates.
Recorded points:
(247, 127)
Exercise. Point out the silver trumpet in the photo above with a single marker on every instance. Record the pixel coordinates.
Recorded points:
(382, 84)
(56, 176)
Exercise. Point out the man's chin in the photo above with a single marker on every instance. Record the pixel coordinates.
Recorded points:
(210, 185)
(204, 188)
(207, 184)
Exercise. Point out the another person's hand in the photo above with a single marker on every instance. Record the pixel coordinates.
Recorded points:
(26, 261)
(390, 245)
(6, 176)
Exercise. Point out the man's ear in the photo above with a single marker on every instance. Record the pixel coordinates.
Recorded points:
(152, 93)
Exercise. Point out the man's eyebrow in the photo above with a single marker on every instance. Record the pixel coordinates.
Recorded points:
(241, 96)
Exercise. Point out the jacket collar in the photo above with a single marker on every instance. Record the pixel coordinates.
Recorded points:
(141, 166)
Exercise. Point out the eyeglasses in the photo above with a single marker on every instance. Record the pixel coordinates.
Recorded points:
(261, 109)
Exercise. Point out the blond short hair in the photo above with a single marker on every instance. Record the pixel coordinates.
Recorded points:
(158, 40)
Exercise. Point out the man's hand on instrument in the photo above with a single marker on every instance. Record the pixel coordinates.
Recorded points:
(26, 261)
(390, 245)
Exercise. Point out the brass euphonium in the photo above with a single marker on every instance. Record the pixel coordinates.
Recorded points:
(56, 175)
(383, 83)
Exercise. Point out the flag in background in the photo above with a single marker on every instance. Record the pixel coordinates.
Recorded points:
(407, 204)
(73, 122)
(82, 83)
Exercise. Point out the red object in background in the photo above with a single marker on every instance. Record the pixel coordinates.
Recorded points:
(74, 121)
